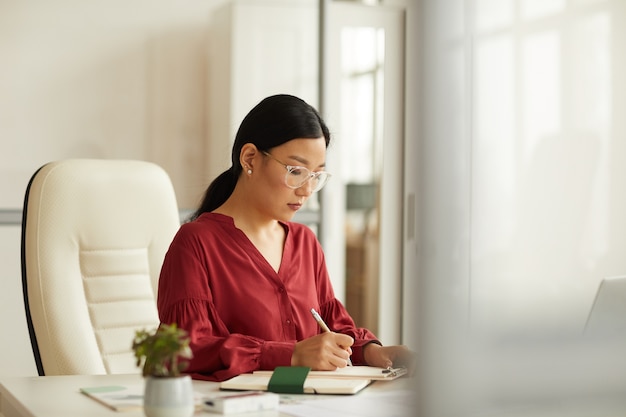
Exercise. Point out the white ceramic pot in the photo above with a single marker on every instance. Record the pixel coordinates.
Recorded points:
(168, 397)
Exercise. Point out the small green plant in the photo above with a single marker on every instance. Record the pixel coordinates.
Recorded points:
(163, 352)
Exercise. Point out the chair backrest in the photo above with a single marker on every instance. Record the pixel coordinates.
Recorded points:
(94, 235)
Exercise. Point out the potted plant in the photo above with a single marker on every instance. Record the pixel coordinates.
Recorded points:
(163, 355)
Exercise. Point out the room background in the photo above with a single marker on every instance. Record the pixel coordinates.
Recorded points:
(159, 81)
(514, 141)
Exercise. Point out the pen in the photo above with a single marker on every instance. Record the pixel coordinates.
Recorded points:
(319, 321)
(323, 326)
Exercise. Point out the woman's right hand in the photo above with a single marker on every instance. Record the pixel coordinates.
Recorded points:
(323, 352)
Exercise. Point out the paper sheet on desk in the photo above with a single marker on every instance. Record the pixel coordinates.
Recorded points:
(388, 404)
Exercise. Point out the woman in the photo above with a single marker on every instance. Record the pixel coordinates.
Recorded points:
(242, 279)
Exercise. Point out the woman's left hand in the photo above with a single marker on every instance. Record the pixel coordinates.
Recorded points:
(389, 356)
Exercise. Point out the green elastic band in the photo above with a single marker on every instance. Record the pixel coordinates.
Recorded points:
(288, 379)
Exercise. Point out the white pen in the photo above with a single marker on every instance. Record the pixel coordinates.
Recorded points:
(324, 327)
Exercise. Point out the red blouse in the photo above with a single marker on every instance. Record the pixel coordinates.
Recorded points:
(241, 315)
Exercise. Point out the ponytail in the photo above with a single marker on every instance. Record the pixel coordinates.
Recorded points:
(218, 192)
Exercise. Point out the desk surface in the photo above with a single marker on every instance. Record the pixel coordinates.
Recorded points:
(59, 396)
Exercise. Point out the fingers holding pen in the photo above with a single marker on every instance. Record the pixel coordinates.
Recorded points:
(339, 348)
(326, 329)
(344, 342)
(324, 352)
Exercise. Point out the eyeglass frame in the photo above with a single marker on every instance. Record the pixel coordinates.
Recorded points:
(310, 176)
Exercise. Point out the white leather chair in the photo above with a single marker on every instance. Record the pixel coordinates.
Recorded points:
(94, 234)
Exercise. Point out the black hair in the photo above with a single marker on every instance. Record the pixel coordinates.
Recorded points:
(275, 120)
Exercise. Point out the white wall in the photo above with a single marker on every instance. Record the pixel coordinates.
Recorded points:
(522, 190)
(120, 79)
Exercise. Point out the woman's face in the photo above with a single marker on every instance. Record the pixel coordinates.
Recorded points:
(279, 200)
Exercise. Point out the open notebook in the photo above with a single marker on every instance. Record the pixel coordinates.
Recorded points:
(294, 380)
(354, 372)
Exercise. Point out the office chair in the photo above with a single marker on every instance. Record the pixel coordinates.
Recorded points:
(94, 235)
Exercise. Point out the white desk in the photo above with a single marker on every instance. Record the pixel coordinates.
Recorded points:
(59, 396)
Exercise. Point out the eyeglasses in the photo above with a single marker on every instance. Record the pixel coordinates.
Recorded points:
(297, 176)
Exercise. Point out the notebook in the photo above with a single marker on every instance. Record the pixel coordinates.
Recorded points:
(607, 316)
(294, 380)
(117, 397)
(350, 372)
(123, 398)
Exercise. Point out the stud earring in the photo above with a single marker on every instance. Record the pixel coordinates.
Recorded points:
(249, 171)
